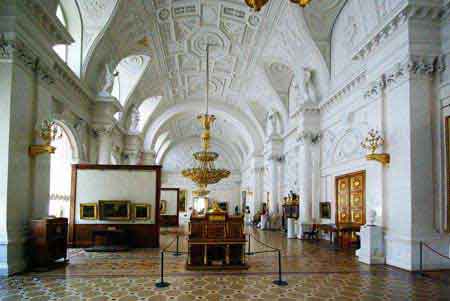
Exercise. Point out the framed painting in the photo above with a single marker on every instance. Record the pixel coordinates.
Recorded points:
(182, 201)
(142, 211)
(115, 210)
(88, 211)
(325, 210)
(162, 206)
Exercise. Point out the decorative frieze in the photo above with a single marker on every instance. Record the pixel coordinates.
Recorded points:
(13, 48)
(411, 66)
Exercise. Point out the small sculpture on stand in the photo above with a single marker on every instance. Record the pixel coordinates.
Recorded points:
(371, 143)
(371, 217)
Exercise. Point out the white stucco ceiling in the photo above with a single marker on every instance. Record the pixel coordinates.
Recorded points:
(254, 60)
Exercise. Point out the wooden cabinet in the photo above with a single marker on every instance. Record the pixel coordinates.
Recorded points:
(48, 241)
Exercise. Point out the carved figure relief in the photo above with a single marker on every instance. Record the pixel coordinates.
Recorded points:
(309, 90)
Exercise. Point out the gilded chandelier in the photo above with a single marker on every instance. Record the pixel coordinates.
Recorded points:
(205, 173)
(258, 4)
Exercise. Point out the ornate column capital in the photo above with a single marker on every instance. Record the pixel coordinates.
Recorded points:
(309, 136)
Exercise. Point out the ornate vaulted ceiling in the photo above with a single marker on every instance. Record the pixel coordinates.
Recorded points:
(253, 62)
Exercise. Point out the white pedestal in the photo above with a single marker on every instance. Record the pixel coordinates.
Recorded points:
(291, 228)
(264, 219)
(372, 249)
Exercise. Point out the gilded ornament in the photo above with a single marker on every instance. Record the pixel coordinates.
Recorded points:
(371, 143)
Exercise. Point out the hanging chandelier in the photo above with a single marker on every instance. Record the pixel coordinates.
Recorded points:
(205, 173)
(258, 4)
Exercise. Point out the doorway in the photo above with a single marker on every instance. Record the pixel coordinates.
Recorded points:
(350, 199)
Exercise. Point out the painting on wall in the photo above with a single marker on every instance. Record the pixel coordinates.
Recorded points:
(142, 211)
(115, 210)
(162, 206)
(182, 201)
(88, 211)
(325, 210)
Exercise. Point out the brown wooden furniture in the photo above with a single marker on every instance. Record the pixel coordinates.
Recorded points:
(216, 241)
(342, 231)
(48, 241)
(170, 220)
(140, 235)
(350, 206)
(113, 240)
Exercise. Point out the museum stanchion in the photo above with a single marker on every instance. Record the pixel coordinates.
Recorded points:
(177, 252)
(279, 281)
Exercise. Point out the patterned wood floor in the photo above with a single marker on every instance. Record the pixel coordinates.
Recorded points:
(314, 271)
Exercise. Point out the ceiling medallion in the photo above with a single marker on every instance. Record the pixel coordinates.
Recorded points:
(205, 173)
(258, 4)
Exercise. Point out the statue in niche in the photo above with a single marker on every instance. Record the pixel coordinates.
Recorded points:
(108, 81)
(135, 117)
(308, 88)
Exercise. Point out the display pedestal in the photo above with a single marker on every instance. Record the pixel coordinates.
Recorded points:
(291, 228)
(371, 251)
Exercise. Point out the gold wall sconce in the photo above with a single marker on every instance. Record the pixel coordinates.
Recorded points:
(371, 143)
(47, 132)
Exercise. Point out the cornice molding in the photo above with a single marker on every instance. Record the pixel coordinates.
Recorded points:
(412, 66)
(46, 21)
(15, 48)
(340, 94)
(11, 49)
(409, 11)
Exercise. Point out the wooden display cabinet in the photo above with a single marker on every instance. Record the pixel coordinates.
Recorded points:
(48, 241)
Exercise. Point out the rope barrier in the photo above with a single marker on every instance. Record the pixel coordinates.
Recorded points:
(279, 281)
(422, 244)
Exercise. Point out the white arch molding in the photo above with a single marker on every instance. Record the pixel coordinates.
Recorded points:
(78, 154)
(251, 132)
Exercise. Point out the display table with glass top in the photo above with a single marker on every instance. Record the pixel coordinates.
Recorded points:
(216, 241)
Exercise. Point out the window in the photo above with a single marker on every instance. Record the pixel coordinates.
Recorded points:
(61, 50)
(60, 175)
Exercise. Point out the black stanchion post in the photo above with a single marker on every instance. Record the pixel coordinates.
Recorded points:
(249, 243)
(421, 258)
(161, 283)
(280, 281)
(177, 252)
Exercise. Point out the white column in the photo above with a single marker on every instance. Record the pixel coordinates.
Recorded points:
(103, 123)
(132, 150)
(305, 187)
(149, 158)
(274, 185)
(104, 145)
(258, 188)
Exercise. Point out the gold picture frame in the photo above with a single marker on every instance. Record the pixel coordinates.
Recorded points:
(115, 210)
(88, 211)
(182, 201)
(142, 212)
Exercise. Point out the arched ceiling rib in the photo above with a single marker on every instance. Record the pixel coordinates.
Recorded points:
(179, 156)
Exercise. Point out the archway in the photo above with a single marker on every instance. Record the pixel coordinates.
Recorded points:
(60, 173)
